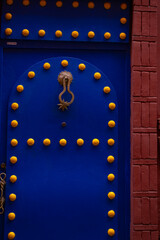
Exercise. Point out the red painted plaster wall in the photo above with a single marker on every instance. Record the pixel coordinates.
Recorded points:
(144, 114)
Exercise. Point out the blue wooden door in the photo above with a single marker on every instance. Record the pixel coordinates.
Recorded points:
(65, 185)
(67, 171)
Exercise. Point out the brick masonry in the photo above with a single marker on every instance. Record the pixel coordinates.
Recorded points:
(144, 114)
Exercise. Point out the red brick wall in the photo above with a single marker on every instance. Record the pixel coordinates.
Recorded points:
(144, 169)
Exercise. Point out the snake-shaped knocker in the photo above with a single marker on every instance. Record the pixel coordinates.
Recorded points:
(65, 79)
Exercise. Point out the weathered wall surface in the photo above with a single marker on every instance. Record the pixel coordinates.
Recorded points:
(144, 187)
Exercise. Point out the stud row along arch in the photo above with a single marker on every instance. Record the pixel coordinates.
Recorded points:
(59, 34)
(63, 142)
(75, 4)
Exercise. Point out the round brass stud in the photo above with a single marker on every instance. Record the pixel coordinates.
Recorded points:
(107, 35)
(91, 34)
(30, 142)
(122, 36)
(8, 16)
(47, 142)
(107, 5)
(75, 4)
(91, 5)
(106, 89)
(43, 3)
(123, 6)
(13, 178)
(112, 106)
(46, 66)
(95, 142)
(14, 123)
(97, 75)
(13, 159)
(123, 20)
(80, 142)
(64, 63)
(59, 4)
(82, 67)
(8, 31)
(9, 2)
(31, 74)
(111, 124)
(25, 32)
(11, 216)
(20, 88)
(111, 142)
(111, 195)
(14, 106)
(63, 142)
(111, 232)
(41, 33)
(75, 34)
(111, 177)
(11, 235)
(111, 213)
(110, 159)
(26, 3)
(12, 197)
(58, 34)
(14, 142)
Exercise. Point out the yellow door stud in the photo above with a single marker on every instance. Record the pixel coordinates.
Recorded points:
(111, 177)
(63, 142)
(111, 142)
(110, 159)
(11, 235)
(111, 213)
(13, 178)
(13, 159)
(20, 88)
(30, 142)
(11, 216)
(111, 195)
(80, 142)
(111, 232)
(14, 123)
(95, 142)
(47, 142)
(14, 142)
(12, 197)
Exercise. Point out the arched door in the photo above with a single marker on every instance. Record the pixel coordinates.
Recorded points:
(66, 186)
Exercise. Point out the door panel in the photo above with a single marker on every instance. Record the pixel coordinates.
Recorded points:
(114, 62)
(67, 19)
(62, 191)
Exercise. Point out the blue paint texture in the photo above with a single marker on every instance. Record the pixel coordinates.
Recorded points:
(62, 191)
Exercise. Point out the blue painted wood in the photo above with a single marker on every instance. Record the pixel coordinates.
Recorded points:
(67, 19)
(65, 187)
(105, 60)
(113, 59)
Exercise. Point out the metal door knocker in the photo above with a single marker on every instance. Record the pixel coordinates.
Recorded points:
(65, 79)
